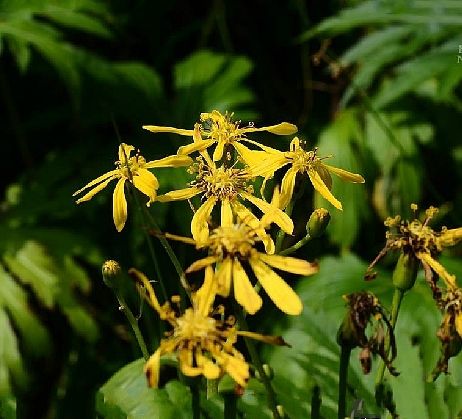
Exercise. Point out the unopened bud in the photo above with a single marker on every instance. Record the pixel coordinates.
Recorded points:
(317, 224)
(405, 272)
(111, 269)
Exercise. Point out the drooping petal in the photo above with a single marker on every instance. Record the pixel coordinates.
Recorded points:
(152, 368)
(284, 128)
(449, 279)
(236, 367)
(112, 174)
(279, 217)
(277, 289)
(119, 205)
(201, 264)
(185, 357)
(290, 264)
(321, 187)
(170, 161)
(180, 131)
(224, 276)
(143, 280)
(344, 174)
(124, 152)
(92, 192)
(210, 370)
(272, 340)
(287, 187)
(324, 174)
(226, 213)
(147, 183)
(178, 195)
(199, 222)
(205, 295)
(218, 153)
(450, 237)
(244, 292)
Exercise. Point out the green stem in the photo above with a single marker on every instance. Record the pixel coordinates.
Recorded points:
(212, 388)
(296, 246)
(316, 403)
(255, 357)
(230, 411)
(343, 380)
(133, 323)
(196, 401)
(396, 304)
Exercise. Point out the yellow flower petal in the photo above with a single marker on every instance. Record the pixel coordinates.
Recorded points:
(119, 205)
(290, 264)
(272, 340)
(244, 293)
(185, 357)
(155, 128)
(226, 213)
(152, 367)
(279, 217)
(147, 183)
(321, 187)
(449, 279)
(196, 146)
(287, 187)
(344, 174)
(218, 153)
(450, 237)
(124, 152)
(210, 370)
(237, 368)
(249, 219)
(250, 157)
(143, 280)
(178, 195)
(170, 161)
(92, 192)
(280, 293)
(224, 276)
(458, 323)
(201, 264)
(112, 175)
(284, 128)
(269, 164)
(205, 295)
(199, 222)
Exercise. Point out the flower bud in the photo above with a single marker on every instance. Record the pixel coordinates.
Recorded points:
(111, 270)
(317, 224)
(405, 272)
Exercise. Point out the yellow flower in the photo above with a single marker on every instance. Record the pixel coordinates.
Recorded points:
(417, 238)
(133, 169)
(302, 161)
(221, 130)
(225, 185)
(230, 245)
(204, 344)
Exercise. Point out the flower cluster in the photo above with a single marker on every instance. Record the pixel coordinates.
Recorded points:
(233, 224)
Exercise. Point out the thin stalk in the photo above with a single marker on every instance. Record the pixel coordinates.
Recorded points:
(295, 246)
(196, 401)
(343, 380)
(316, 403)
(230, 411)
(255, 357)
(212, 388)
(396, 304)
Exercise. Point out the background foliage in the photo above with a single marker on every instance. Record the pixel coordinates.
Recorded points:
(376, 84)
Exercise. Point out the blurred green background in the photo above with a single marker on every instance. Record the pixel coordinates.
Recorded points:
(377, 84)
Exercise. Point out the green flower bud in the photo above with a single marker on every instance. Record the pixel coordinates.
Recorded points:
(318, 222)
(111, 270)
(405, 272)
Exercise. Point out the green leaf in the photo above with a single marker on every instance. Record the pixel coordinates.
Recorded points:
(126, 394)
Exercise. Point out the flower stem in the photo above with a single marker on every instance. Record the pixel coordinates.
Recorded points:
(343, 380)
(196, 400)
(272, 402)
(396, 304)
(230, 400)
(296, 246)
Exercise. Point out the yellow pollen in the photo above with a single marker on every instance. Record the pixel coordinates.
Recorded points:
(236, 240)
(194, 325)
(131, 166)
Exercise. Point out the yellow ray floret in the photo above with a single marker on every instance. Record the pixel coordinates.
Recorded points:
(221, 130)
(134, 170)
(302, 162)
(230, 249)
(204, 344)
